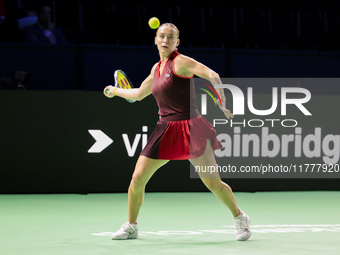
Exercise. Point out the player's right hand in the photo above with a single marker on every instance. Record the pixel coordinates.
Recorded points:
(110, 92)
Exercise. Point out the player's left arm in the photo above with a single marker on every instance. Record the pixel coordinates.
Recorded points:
(187, 66)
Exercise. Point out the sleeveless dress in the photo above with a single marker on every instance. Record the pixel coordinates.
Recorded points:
(181, 133)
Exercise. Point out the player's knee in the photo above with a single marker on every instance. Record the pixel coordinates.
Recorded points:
(214, 185)
(217, 186)
(137, 182)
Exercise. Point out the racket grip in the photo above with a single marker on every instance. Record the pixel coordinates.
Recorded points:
(107, 91)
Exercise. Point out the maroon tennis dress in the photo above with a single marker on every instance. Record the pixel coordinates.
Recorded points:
(181, 133)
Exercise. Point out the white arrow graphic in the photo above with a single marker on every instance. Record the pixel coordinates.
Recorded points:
(102, 141)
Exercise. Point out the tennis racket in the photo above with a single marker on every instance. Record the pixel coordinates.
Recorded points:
(121, 80)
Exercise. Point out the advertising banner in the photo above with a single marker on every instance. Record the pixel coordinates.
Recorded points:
(282, 127)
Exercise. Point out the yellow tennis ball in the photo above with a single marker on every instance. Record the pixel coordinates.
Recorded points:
(154, 23)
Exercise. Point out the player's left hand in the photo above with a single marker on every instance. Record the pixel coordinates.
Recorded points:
(226, 112)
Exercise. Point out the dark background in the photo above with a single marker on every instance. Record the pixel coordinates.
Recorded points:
(45, 142)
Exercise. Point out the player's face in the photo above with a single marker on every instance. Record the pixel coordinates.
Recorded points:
(166, 39)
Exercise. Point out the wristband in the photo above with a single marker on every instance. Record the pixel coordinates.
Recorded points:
(114, 90)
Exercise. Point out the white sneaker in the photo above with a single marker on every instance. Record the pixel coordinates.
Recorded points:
(242, 225)
(127, 231)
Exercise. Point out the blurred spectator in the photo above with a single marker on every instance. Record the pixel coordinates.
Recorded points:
(15, 15)
(44, 31)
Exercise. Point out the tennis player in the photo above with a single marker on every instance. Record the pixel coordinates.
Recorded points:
(181, 133)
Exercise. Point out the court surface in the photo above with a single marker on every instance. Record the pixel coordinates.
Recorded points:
(170, 223)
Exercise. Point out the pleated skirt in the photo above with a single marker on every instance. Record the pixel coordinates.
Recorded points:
(182, 139)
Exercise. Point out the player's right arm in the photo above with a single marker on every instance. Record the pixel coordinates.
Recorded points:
(136, 93)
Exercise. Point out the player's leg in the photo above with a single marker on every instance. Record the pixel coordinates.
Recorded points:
(222, 191)
(144, 169)
(213, 181)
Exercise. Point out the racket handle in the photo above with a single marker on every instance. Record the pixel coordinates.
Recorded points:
(107, 91)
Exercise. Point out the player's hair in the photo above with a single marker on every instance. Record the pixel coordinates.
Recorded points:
(171, 25)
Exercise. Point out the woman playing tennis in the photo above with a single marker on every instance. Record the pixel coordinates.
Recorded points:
(181, 133)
